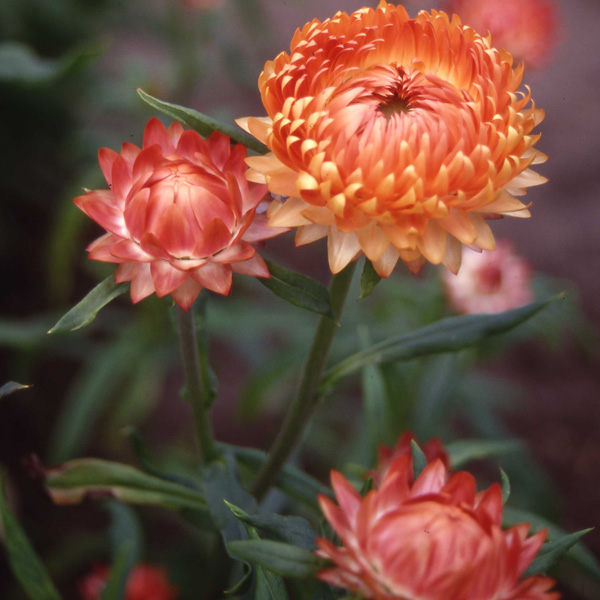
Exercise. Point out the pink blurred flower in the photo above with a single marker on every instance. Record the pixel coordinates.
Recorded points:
(435, 538)
(146, 582)
(180, 214)
(490, 282)
(386, 456)
(526, 28)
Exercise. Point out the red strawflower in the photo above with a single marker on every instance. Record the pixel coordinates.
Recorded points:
(434, 539)
(145, 582)
(180, 214)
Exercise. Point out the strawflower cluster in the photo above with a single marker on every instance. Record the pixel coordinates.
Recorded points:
(432, 537)
(394, 137)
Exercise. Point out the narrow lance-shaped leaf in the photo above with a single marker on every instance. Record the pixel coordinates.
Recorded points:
(448, 335)
(578, 554)
(75, 480)
(119, 572)
(369, 278)
(297, 289)
(203, 124)
(24, 562)
(280, 558)
(11, 387)
(550, 552)
(84, 312)
(464, 451)
(505, 486)
(419, 459)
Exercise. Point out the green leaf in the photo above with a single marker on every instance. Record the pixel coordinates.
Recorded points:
(419, 459)
(75, 480)
(367, 486)
(369, 278)
(297, 289)
(280, 558)
(505, 486)
(291, 481)
(203, 124)
(10, 387)
(464, 451)
(291, 529)
(448, 335)
(85, 311)
(125, 528)
(24, 562)
(550, 552)
(578, 554)
(119, 573)
(269, 586)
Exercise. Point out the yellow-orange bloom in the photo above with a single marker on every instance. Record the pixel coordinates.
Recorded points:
(433, 538)
(394, 137)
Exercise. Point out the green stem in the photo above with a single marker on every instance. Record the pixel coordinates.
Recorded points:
(195, 384)
(307, 396)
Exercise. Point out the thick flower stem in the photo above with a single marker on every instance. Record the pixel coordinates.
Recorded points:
(307, 396)
(195, 384)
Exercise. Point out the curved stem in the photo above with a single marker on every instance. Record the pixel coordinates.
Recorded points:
(307, 396)
(195, 384)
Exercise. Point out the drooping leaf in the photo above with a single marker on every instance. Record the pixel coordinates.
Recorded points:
(550, 552)
(22, 558)
(448, 335)
(369, 278)
(297, 289)
(505, 486)
(119, 572)
(75, 480)
(202, 124)
(11, 387)
(419, 459)
(85, 311)
(125, 528)
(291, 529)
(579, 554)
(464, 451)
(280, 558)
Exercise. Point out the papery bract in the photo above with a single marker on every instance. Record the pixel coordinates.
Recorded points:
(145, 582)
(180, 214)
(490, 282)
(386, 456)
(434, 539)
(526, 28)
(394, 137)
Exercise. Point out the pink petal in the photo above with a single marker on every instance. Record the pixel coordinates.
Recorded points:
(259, 230)
(207, 205)
(135, 214)
(174, 233)
(348, 498)
(146, 162)
(191, 144)
(185, 294)
(461, 488)
(121, 179)
(106, 158)
(99, 205)
(215, 236)
(155, 133)
(140, 277)
(255, 266)
(216, 278)
(129, 152)
(218, 145)
(431, 480)
(166, 278)
(101, 249)
(174, 133)
(235, 253)
(151, 244)
(489, 503)
(161, 198)
(130, 251)
(235, 195)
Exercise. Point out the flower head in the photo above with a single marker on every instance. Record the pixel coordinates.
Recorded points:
(526, 28)
(145, 582)
(394, 137)
(180, 214)
(435, 538)
(490, 282)
(386, 456)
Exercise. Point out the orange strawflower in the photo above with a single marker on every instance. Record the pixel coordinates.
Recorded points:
(386, 456)
(180, 214)
(490, 282)
(145, 582)
(394, 137)
(435, 538)
(526, 28)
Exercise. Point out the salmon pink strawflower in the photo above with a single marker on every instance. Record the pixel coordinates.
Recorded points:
(526, 28)
(490, 282)
(434, 539)
(394, 137)
(180, 214)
